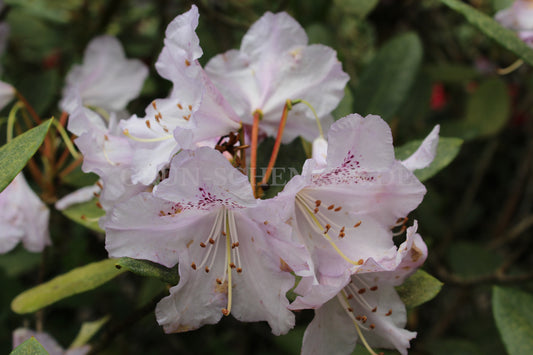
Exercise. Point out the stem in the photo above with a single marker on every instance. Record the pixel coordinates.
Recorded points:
(320, 131)
(253, 158)
(242, 154)
(277, 143)
(70, 167)
(511, 68)
(30, 109)
(63, 118)
(11, 120)
(67, 140)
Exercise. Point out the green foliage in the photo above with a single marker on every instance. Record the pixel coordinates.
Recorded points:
(454, 347)
(447, 150)
(87, 331)
(60, 11)
(469, 259)
(487, 112)
(451, 73)
(87, 214)
(493, 29)
(513, 312)
(418, 288)
(150, 269)
(76, 281)
(357, 8)
(385, 82)
(15, 154)
(19, 262)
(29, 347)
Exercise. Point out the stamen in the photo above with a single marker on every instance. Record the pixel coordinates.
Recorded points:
(357, 224)
(146, 140)
(345, 305)
(316, 222)
(226, 311)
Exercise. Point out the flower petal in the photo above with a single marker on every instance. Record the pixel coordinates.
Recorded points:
(425, 154)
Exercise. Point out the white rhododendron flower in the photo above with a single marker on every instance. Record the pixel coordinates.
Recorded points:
(106, 79)
(20, 335)
(23, 217)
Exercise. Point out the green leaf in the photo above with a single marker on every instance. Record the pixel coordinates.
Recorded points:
(507, 38)
(453, 346)
(87, 331)
(488, 108)
(76, 281)
(87, 214)
(447, 150)
(513, 312)
(150, 269)
(59, 11)
(451, 73)
(30, 347)
(386, 81)
(418, 288)
(15, 154)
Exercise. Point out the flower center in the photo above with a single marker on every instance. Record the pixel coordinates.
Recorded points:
(321, 217)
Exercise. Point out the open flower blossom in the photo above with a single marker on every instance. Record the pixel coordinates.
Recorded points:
(518, 17)
(194, 111)
(273, 65)
(23, 218)
(106, 79)
(368, 309)
(106, 152)
(205, 217)
(20, 335)
(343, 212)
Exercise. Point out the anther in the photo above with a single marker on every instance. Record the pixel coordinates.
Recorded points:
(239, 270)
(373, 288)
(211, 241)
(350, 309)
(193, 265)
(225, 312)
(358, 317)
(147, 123)
(99, 205)
(223, 233)
(190, 107)
(202, 245)
(187, 63)
(364, 319)
(317, 203)
(372, 326)
(326, 228)
(360, 262)
(389, 312)
(361, 291)
(374, 309)
(219, 281)
(330, 207)
(315, 211)
(154, 105)
(180, 107)
(338, 209)
(265, 223)
(207, 269)
(357, 224)
(350, 296)
(232, 265)
(99, 184)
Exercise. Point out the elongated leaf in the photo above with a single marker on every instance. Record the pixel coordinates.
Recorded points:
(87, 214)
(150, 269)
(507, 38)
(87, 331)
(76, 281)
(385, 83)
(29, 347)
(15, 154)
(488, 108)
(447, 150)
(513, 312)
(418, 288)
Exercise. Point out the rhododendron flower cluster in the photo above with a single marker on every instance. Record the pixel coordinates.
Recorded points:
(179, 185)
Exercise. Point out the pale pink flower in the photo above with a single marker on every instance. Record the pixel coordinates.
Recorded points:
(518, 17)
(106, 79)
(368, 303)
(343, 212)
(23, 218)
(205, 217)
(273, 65)
(195, 111)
